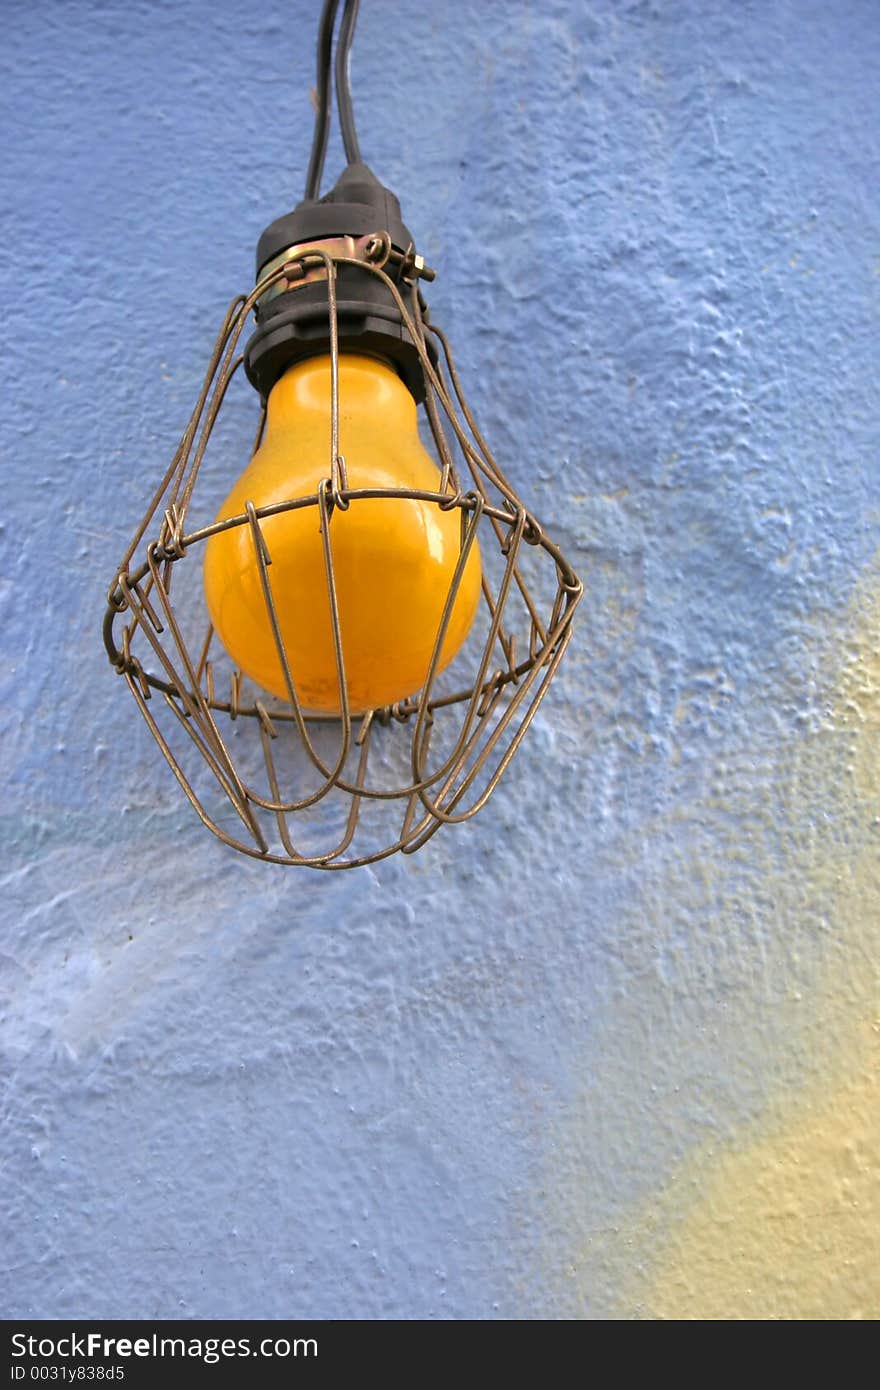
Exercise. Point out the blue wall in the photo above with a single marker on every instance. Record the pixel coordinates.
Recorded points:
(463, 1085)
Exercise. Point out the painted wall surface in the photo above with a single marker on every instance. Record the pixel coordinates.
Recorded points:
(612, 1050)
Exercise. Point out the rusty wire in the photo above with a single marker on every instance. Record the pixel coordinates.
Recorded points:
(179, 688)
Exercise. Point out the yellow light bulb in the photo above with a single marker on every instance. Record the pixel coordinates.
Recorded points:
(393, 558)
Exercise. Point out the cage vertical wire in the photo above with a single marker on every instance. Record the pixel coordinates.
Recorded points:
(268, 776)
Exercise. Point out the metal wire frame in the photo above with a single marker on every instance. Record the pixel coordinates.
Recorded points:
(510, 674)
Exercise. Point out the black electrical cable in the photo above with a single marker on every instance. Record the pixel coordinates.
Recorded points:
(343, 91)
(343, 87)
(322, 114)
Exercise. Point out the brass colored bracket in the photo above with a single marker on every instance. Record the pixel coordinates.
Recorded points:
(374, 249)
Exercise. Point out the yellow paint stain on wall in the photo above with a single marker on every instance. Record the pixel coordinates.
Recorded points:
(722, 1156)
(788, 1227)
(786, 1224)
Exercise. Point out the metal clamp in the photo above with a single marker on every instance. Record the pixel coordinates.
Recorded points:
(302, 268)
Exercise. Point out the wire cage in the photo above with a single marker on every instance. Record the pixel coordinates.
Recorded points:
(277, 780)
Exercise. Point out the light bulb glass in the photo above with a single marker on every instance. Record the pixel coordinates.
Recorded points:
(393, 558)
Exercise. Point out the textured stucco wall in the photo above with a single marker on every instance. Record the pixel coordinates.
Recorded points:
(613, 1049)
